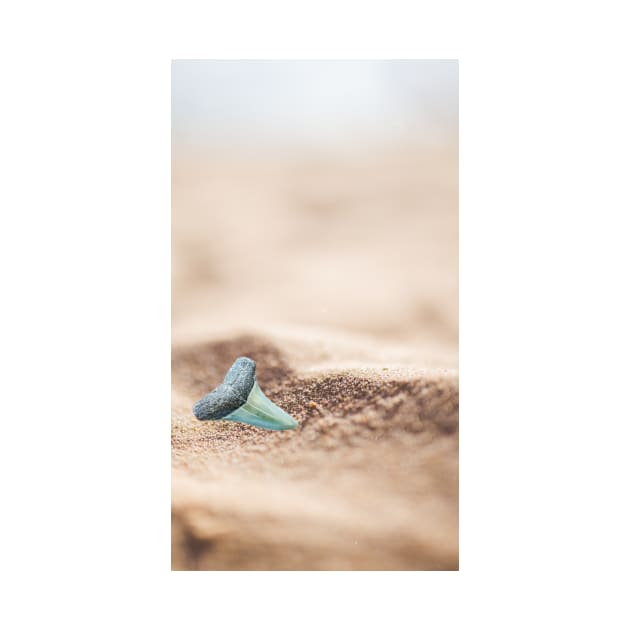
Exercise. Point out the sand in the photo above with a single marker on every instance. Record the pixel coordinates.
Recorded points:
(338, 275)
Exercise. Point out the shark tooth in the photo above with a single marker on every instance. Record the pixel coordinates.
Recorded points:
(240, 399)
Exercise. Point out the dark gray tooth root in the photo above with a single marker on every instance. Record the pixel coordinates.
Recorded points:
(241, 376)
(240, 399)
(231, 394)
(219, 403)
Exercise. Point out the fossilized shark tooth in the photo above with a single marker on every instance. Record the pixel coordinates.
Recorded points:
(239, 398)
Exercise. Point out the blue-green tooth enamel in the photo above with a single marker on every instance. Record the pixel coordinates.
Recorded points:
(240, 399)
(261, 412)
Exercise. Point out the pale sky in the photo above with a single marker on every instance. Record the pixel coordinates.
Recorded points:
(311, 103)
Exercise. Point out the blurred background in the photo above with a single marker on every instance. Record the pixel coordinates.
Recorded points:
(315, 230)
(316, 194)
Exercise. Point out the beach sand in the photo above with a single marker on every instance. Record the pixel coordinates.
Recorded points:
(338, 275)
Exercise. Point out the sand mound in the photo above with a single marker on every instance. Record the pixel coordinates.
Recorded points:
(369, 480)
(338, 274)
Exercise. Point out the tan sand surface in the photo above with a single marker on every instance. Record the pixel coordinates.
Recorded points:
(338, 275)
